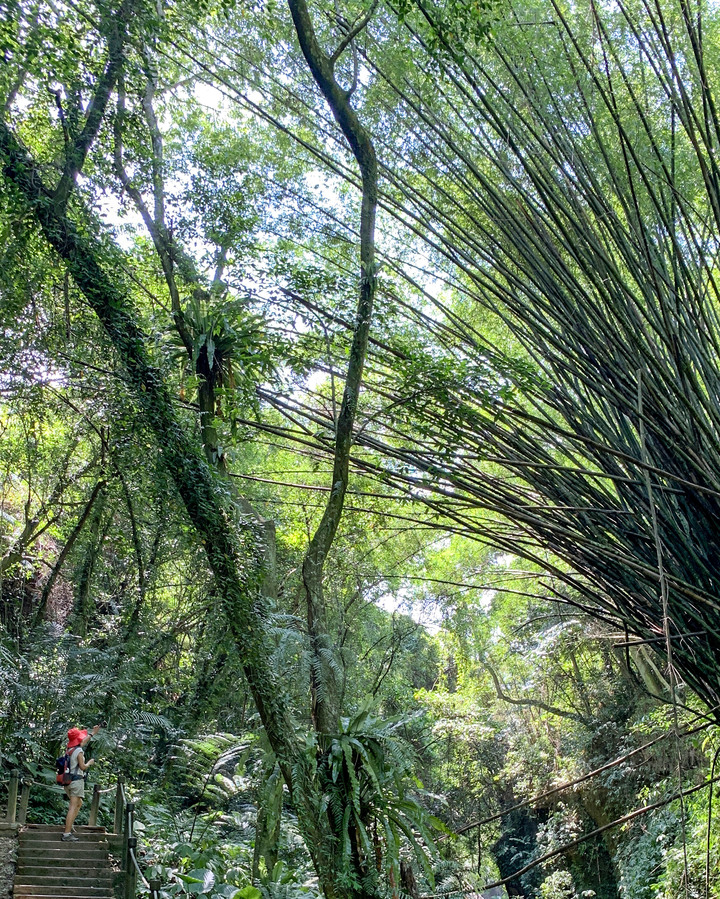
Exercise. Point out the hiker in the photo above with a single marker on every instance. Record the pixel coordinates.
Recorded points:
(75, 790)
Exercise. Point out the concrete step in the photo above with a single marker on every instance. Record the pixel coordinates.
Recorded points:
(86, 850)
(62, 893)
(48, 868)
(43, 866)
(63, 877)
(64, 871)
(62, 889)
(57, 857)
(42, 836)
(38, 892)
(79, 845)
(38, 868)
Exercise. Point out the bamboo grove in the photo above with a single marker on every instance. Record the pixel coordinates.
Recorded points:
(563, 178)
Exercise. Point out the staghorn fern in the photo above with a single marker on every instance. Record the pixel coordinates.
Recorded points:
(231, 348)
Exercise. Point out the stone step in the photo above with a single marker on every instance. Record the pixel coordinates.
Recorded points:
(63, 889)
(63, 877)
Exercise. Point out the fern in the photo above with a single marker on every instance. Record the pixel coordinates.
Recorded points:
(156, 722)
(366, 768)
(207, 766)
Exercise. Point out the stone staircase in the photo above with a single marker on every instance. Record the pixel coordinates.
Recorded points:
(47, 868)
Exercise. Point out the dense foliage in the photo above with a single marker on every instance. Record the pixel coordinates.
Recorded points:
(358, 438)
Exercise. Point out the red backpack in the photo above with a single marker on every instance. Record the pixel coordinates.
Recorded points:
(62, 766)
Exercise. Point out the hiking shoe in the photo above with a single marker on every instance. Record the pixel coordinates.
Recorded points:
(69, 838)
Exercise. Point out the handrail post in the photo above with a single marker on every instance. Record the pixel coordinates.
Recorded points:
(24, 799)
(119, 806)
(154, 889)
(12, 796)
(131, 873)
(127, 836)
(94, 806)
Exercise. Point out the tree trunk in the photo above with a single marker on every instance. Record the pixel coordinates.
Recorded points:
(267, 825)
(50, 582)
(83, 579)
(233, 558)
(325, 687)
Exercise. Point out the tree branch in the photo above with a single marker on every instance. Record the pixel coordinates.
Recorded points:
(77, 153)
(594, 833)
(534, 800)
(156, 228)
(325, 701)
(534, 703)
(353, 32)
(50, 583)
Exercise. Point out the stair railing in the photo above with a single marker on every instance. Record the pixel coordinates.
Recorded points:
(19, 788)
(125, 825)
(13, 813)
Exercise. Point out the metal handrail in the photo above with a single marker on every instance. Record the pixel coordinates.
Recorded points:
(137, 868)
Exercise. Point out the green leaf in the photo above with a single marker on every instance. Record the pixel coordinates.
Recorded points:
(249, 892)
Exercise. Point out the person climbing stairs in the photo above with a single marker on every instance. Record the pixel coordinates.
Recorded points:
(47, 867)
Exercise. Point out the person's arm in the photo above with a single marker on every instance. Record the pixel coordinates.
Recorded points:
(81, 761)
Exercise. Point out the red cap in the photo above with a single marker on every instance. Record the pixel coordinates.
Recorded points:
(75, 737)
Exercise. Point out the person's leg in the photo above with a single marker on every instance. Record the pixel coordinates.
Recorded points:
(75, 803)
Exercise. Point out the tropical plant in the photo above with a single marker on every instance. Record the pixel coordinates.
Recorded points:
(365, 769)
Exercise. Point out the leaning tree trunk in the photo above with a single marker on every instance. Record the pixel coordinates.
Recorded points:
(233, 558)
